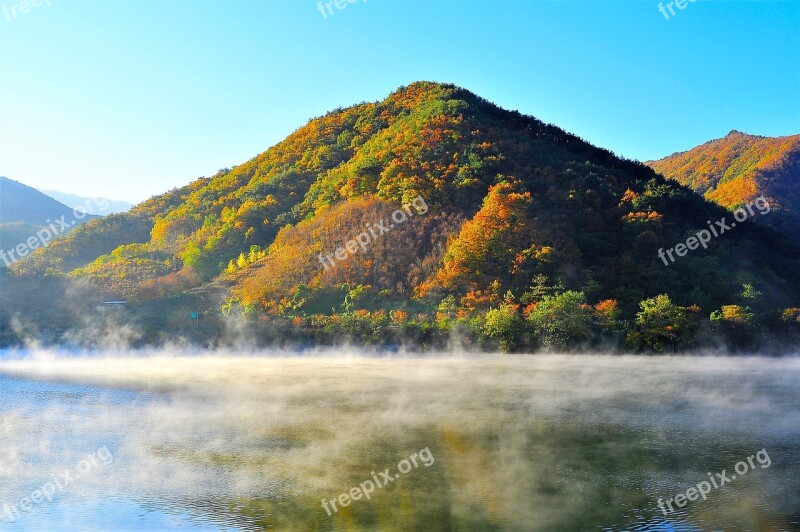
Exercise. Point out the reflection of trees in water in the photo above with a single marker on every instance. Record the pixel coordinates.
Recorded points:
(520, 443)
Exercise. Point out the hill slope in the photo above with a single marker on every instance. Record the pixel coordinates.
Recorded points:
(433, 203)
(740, 167)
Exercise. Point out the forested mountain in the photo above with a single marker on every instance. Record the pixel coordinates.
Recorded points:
(510, 230)
(738, 168)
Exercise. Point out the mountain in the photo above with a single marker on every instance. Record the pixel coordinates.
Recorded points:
(429, 212)
(738, 168)
(75, 202)
(21, 203)
(26, 212)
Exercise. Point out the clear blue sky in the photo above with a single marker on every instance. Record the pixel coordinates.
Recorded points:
(129, 98)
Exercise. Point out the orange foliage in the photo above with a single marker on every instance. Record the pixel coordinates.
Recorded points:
(629, 196)
(487, 244)
(399, 317)
(607, 312)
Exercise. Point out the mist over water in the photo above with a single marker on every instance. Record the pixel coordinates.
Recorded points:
(546, 442)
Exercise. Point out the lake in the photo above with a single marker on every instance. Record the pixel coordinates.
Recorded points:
(338, 440)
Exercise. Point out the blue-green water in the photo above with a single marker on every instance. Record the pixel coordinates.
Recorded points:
(511, 443)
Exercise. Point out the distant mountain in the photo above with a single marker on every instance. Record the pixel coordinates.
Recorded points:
(21, 203)
(73, 201)
(738, 168)
(24, 211)
(435, 204)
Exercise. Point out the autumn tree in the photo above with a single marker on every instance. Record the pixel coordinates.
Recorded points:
(661, 325)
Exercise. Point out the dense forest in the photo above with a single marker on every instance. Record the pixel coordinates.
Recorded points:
(529, 238)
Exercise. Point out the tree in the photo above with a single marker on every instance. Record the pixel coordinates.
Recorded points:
(791, 315)
(661, 324)
(541, 287)
(737, 324)
(562, 320)
(607, 314)
(506, 325)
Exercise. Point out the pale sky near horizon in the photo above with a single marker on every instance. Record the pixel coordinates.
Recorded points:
(130, 98)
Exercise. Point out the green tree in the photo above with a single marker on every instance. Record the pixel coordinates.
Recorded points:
(562, 320)
(505, 325)
(540, 287)
(661, 324)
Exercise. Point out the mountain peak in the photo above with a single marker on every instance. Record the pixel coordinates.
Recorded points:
(737, 133)
(424, 91)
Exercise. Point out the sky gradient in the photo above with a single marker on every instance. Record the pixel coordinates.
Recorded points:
(130, 98)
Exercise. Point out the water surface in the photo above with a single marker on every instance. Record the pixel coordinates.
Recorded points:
(515, 443)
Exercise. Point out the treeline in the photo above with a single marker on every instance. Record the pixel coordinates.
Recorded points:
(545, 317)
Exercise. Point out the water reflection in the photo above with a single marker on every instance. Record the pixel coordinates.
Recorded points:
(521, 443)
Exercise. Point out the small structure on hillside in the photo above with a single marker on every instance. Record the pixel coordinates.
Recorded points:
(119, 303)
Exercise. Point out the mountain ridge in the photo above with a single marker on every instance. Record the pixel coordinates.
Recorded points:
(740, 167)
(21, 203)
(26, 212)
(75, 201)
